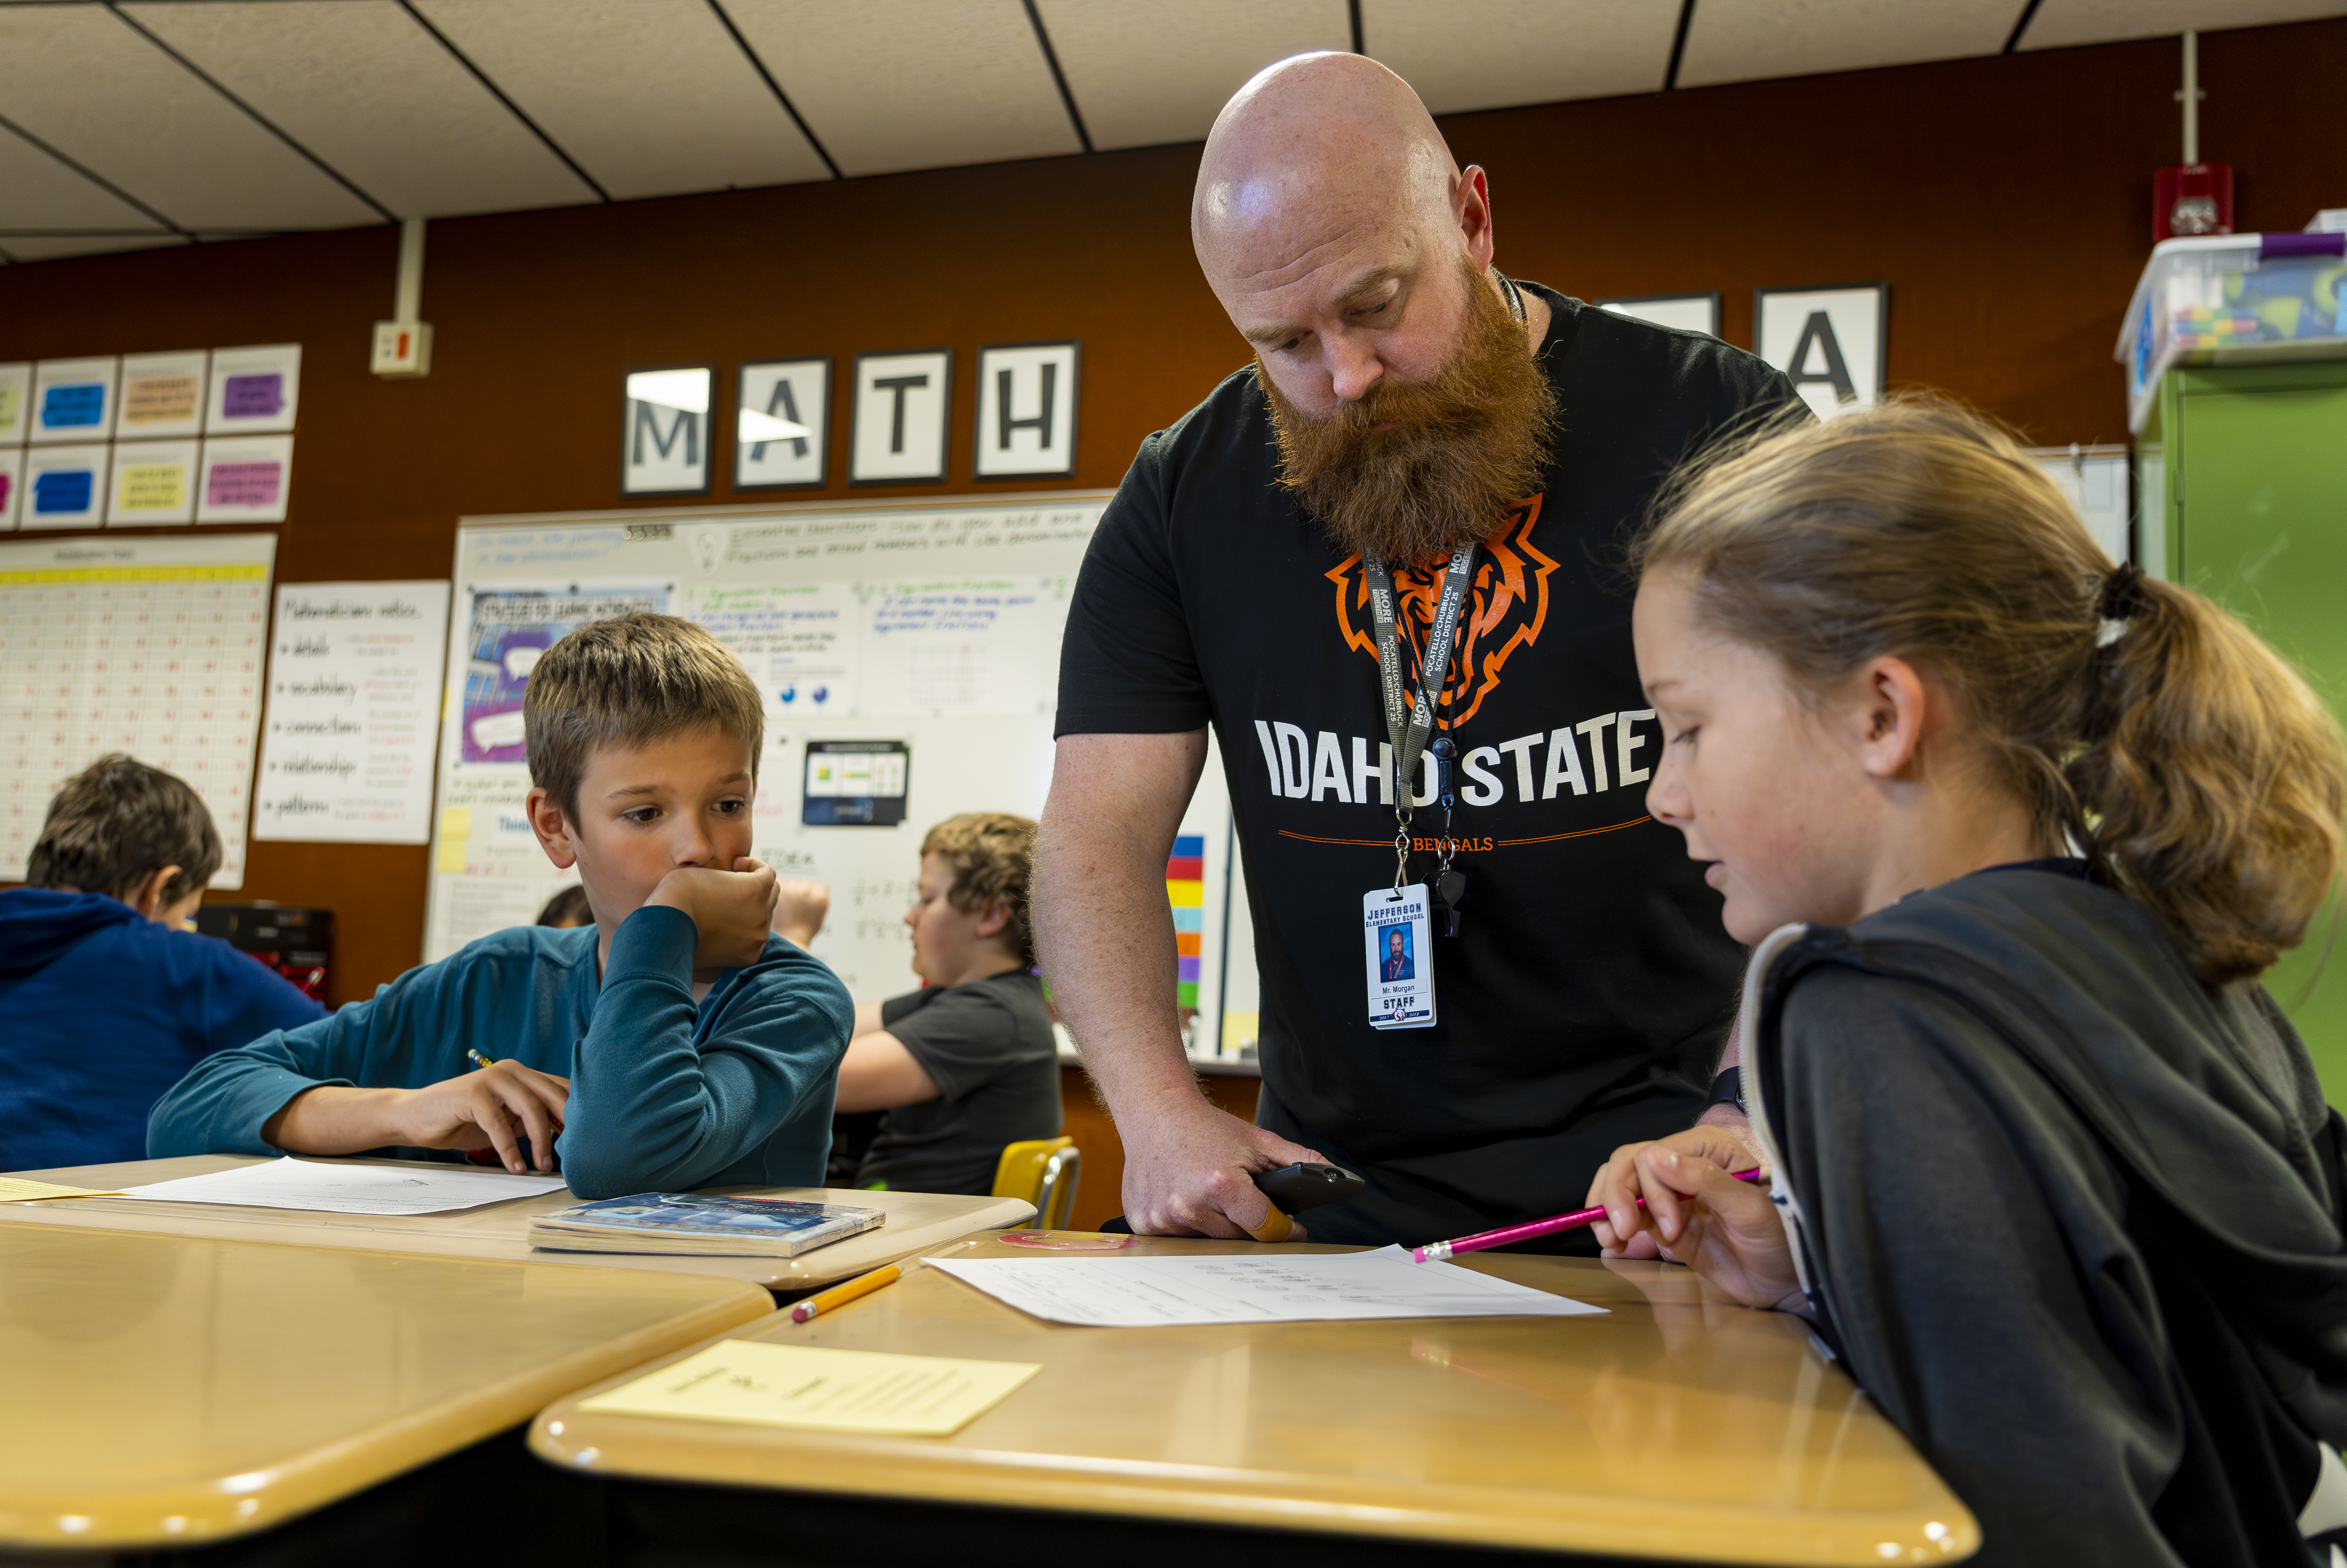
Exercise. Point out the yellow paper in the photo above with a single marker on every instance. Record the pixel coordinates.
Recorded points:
(831, 1390)
(456, 839)
(17, 1190)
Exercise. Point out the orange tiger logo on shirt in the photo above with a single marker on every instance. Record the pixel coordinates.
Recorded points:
(1507, 607)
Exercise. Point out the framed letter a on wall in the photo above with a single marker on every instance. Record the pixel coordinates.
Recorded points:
(781, 423)
(664, 446)
(1831, 342)
(1026, 411)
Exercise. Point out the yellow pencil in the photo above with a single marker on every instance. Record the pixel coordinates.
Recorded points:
(841, 1295)
(480, 1060)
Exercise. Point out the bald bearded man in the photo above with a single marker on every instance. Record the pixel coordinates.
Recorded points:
(1409, 409)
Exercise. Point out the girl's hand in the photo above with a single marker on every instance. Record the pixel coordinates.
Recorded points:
(1697, 1214)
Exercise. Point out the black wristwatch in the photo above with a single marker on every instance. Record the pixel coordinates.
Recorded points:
(1727, 1089)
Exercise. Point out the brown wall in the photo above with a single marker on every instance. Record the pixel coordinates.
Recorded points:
(2005, 201)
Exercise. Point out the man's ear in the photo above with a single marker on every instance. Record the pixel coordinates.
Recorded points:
(148, 896)
(553, 829)
(1471, 207)
(995, 918)
(1894, 706)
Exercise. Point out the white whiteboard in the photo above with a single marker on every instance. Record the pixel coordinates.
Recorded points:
(933, 624)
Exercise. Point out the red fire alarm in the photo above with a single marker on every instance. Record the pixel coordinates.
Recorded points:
(2193, 198)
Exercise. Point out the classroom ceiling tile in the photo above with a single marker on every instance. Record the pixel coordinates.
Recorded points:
(49, 246)
(85, 82)
(893, 85)
(652, 97)
(1467, 55)
(1144, 81)
(1751, 40)
(38, 191)
(369, 91)
(2062, 23)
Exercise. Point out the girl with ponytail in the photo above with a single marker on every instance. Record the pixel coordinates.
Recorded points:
(2015, 833)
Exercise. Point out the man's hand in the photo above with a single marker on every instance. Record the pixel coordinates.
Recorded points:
(1189, 1170)
(800, 909)
(1727, 1230)
(493, 1108)
(732, 910)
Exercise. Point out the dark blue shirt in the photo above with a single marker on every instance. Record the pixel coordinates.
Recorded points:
(102, 1011)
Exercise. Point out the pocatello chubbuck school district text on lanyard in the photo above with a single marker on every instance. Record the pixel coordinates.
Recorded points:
(1395, 929)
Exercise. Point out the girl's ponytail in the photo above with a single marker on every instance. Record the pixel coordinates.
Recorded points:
(2211, 781)
(2141, 723)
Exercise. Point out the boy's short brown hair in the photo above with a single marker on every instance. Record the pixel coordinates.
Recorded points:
(628, 681)
(115, 822)
(993, 855)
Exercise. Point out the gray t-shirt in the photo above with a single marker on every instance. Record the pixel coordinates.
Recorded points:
(989, 1048)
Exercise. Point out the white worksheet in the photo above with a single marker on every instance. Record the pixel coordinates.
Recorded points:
(291, 1183)
(1236, 1287)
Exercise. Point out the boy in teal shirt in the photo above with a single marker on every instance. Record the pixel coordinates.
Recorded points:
(674, 1043)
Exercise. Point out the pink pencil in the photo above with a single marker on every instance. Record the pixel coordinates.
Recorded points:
(1484, 1241)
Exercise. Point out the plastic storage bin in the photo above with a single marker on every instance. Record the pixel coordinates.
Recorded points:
(2233, 299)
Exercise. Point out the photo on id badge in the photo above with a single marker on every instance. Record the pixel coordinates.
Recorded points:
(1394, 932)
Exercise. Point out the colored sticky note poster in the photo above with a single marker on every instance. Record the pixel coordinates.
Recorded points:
(12, 401)
(65, 487)
(12, 485)
(510, 630)
(71, 400)
(154, 482)
(245, 480)
(253, 389)
(162, 396)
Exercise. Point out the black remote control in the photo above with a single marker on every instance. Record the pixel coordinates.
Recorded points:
(1306, 1186)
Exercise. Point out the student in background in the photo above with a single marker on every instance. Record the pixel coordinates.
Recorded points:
(2016, 833)
(674, 1043)
(567, 910)
(969, 1064)
(109, 995)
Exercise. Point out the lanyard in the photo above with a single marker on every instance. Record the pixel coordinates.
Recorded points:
(1409, 731)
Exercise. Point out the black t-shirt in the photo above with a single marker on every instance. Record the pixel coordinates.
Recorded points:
(989, 1048)
(1591, 985)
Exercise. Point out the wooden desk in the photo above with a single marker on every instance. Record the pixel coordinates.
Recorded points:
(1678, 1426)
(501, 1231)
(165, 1391)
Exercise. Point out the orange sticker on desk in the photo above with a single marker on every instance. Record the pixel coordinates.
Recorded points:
(1065, 1241)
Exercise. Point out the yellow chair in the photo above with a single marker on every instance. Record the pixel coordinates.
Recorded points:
(1044, 1172)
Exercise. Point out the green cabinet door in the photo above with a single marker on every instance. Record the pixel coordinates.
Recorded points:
(2256, 460)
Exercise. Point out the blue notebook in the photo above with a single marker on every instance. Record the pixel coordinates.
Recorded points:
(690, 1225)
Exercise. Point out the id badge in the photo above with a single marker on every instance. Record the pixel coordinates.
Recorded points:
(1397, 938)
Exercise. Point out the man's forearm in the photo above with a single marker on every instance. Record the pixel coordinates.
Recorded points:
(1103, 927)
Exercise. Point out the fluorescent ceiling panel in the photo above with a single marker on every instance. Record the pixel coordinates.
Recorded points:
(1142, 79)
(365, 87)
(892, 85)
(36, 192)
(1490, 54)
(46, 247)
(2062, 23)
(651, 97)
(84, 82)
(1751, 40)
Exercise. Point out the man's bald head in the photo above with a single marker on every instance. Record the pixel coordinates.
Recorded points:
(1311, 147)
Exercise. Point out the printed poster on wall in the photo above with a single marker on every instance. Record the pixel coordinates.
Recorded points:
(348, 735)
